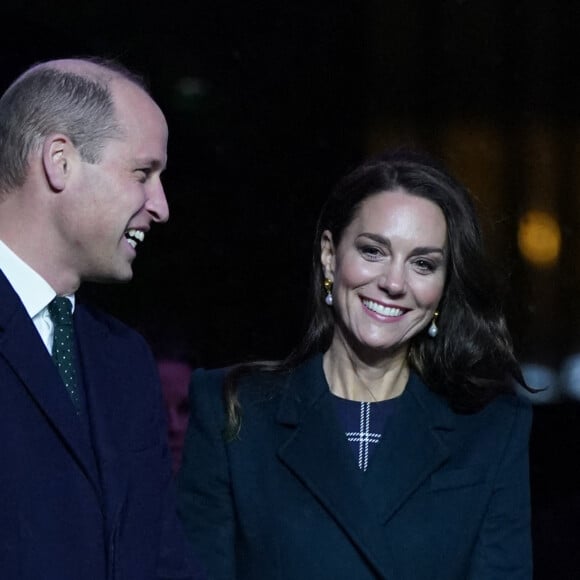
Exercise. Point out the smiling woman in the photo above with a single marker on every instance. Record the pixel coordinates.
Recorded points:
(390, 442)
(387, 274)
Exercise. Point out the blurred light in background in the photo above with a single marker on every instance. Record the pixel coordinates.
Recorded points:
(570, 376)
(539, 238)
(539, 376)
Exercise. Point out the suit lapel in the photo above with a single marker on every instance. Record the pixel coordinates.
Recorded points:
(318, 454)
(22, 347)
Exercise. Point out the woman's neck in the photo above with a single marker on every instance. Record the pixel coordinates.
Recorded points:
(370, 380)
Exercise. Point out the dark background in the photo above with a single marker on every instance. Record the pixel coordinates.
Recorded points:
(269, 102)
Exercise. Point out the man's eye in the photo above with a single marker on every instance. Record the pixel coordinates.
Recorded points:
(143, 173)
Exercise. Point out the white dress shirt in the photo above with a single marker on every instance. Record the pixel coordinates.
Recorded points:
(34, 291)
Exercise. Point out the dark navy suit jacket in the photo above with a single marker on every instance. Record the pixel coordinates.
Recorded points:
(90, 499)
(446, 496)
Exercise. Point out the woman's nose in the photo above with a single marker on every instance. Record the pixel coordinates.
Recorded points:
(393, 281)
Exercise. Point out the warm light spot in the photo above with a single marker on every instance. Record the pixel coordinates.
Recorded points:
(539, 238)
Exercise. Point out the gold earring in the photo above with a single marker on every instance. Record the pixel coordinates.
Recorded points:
(328, 289)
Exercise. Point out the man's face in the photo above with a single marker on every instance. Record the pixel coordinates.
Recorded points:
(121, 196)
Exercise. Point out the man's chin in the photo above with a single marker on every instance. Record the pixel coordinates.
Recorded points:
(112, 278)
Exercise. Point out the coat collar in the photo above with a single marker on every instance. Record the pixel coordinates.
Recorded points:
(318, 454)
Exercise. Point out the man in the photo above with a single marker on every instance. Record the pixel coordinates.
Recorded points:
(85, 480)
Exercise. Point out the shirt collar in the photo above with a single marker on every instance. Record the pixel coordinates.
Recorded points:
(33, 290)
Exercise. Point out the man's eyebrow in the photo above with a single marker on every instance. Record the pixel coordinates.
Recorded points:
(152, 162)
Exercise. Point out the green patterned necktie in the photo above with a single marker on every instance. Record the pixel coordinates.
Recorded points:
(63, 346)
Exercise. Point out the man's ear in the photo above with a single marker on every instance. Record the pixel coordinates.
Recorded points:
(327, 254)
(57, 157)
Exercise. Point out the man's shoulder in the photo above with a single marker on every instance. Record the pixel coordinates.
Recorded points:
(102, 321)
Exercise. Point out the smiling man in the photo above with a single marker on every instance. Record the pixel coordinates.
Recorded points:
(85, 486)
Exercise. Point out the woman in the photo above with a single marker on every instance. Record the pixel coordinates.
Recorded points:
(390, 443)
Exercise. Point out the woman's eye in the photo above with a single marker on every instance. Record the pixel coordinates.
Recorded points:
(371, 252)
(425, 265)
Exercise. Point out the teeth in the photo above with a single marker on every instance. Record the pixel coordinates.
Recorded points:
(382, 310)
(133, 236)
(137, 234)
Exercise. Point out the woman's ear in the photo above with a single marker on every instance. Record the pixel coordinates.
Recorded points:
(57, 157)
(327, 254)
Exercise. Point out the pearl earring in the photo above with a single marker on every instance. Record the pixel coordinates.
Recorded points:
(433, 330)
(328, 289)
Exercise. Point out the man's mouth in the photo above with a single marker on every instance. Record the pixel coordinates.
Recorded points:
(134, 236)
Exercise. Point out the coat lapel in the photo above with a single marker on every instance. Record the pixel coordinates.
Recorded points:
(411, 448)
(318, 454)
(22, 347)
(99, 357)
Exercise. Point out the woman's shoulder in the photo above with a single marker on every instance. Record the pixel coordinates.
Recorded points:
(510, 403)
(249, 380)
(206, 387)
(260, 380)
(204, 375)
(506, 413)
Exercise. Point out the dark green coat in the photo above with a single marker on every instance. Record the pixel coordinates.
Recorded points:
(446, 496)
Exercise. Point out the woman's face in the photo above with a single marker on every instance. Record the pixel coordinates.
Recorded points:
(388, 271)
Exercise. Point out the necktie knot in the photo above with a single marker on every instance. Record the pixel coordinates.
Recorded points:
(60, 310)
